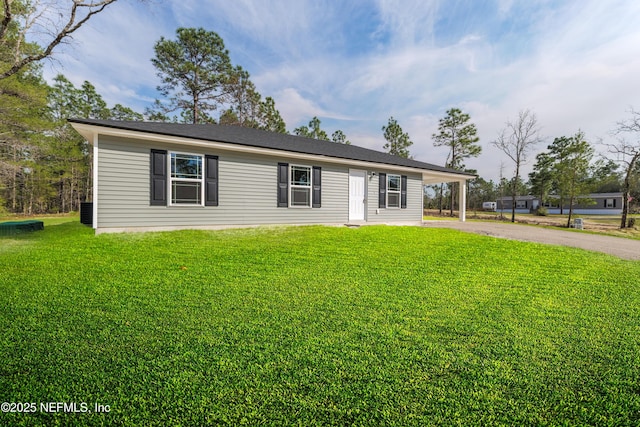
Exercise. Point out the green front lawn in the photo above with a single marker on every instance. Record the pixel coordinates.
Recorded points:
(316, 326)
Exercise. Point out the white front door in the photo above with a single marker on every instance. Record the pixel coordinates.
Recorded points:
(357, 194)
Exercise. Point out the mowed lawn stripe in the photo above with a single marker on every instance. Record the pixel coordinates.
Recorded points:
(317, 326)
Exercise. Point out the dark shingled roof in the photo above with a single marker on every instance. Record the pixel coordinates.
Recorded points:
(263, 139)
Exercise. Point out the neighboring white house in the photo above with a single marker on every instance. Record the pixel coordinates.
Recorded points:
(166, 176)
(592, 204)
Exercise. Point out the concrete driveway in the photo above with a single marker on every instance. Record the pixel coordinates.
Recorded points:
(617, 246)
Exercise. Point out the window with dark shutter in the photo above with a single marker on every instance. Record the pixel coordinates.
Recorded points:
(317, 187)
(403, 192)
(393, 190)
(382, 194)
(283, 185)
(211, 180)
(158, 178)
(186, 179)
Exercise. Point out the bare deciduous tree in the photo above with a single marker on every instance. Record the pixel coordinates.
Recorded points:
(53, 20)
(516, 140)
(627, 153)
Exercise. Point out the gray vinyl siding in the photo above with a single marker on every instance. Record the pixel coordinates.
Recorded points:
(413, 211)
(247, 190)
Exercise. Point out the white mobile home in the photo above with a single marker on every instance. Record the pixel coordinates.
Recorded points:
(592, 204)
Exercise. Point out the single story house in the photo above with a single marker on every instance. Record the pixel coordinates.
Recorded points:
(166, 176)
(592, 204)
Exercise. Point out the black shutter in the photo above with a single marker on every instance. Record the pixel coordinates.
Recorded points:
(283, 185)
(382, 195)
(403, 192)
(211, 180)
(158, 177)
(614, 202)
(317, 187)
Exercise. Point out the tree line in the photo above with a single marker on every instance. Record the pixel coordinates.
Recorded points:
(45, 166)
(567, 171)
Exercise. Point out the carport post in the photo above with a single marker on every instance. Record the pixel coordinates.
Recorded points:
(462, 202)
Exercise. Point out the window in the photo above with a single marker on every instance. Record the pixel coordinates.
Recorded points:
(183, 179)
(521, 204)
(300, 186)
(609, 203)
(393, 191)
(186, 179)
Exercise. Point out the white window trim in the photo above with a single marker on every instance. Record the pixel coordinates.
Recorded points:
(398, 192)
(172, 179)
(292, 186)
(608, 205)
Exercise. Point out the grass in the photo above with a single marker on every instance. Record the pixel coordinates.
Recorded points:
(439, 218)
(595, 224)
(316, 326)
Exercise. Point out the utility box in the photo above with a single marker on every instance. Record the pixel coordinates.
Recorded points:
(86, 213)
(578, 224)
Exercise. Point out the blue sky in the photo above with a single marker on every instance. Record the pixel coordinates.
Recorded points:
(575, 64)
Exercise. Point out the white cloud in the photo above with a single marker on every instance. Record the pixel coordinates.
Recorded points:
(294, 108)
(407, 22)
(504, 7)
(574, 63)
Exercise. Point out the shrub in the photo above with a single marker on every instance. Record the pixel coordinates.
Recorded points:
(542, 211)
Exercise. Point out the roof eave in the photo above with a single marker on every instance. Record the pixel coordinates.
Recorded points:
(90, 131)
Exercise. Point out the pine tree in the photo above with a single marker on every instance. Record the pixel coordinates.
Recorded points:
(194, 70)
(22, 120)
(340, 138)
(460, 136)
(243, 99)
(313, 130)
(270, 118)
(572, 157)
(398, 142)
